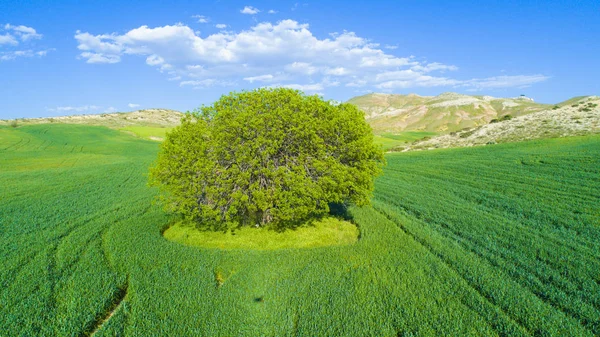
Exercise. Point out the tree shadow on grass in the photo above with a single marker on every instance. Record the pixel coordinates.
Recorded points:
(336, 210)
(340, 210)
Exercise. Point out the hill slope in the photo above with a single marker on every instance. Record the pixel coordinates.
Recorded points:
(444, 113)
(147, 117)
(150, 124)
(575, 117)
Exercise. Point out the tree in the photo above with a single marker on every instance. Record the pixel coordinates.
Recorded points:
(268, 157)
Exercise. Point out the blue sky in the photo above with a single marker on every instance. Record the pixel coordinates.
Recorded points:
(71, 57)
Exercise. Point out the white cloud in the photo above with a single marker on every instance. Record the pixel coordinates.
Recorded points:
(338, 71)
(201, 84)
(221, 25)
(8, 39)
(14, 39)
(205, 83)
(154, 60)
(133, 105)
(110, 110)
(419, 81)
(434, 66)
(250, 10)
(285, 52)
(476, 84)
(201, 18)
(301, 68)
(383, 60)
(272, 11)
(357, 83)
(11, 55)
(406, 74)
(23, 32)
(519, 81)
(260, 78)
(84, 108)
(305, 87)
(100, 58)
(391, 47)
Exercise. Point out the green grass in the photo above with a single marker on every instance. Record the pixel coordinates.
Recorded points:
(497, 240)
(391, 140)
(322, 233)
(147, 132)
(571, 101)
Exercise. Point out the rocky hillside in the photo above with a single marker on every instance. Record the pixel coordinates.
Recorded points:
(148, 117)
(444, 113)
(577, 116)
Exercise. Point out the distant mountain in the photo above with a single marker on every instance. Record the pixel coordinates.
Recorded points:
(147, 117)
(444, 113)
(575, 117)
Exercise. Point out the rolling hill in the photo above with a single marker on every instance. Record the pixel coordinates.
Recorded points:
(444, 113)
(150, 124)
(146, 117)
(575, 117)
(405, 121)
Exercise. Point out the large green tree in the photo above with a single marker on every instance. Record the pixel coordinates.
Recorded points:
(267, 157)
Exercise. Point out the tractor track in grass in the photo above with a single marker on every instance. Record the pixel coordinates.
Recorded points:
(574, 244)
(116, 302)
(501, 260)
(14, 144)
(458, 236)
(514, 320)
(22, 145)
(586, 324)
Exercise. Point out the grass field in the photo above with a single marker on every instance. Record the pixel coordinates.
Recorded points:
(497, 240)
(147, 132)
(322, 233)
(390, 140)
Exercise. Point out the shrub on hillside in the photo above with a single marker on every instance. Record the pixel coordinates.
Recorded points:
(466, 134)
(268, 157)
(14, 123)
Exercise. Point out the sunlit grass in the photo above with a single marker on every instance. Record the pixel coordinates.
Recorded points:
(147, 132)
(390, 140)
(321, 233)
(500, 240)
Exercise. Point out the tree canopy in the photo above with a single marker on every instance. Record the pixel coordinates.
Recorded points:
(267, 157)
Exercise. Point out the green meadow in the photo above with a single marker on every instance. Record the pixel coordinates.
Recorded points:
(500, 240)
(391, 140)
(324, 232)
(147, 132)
